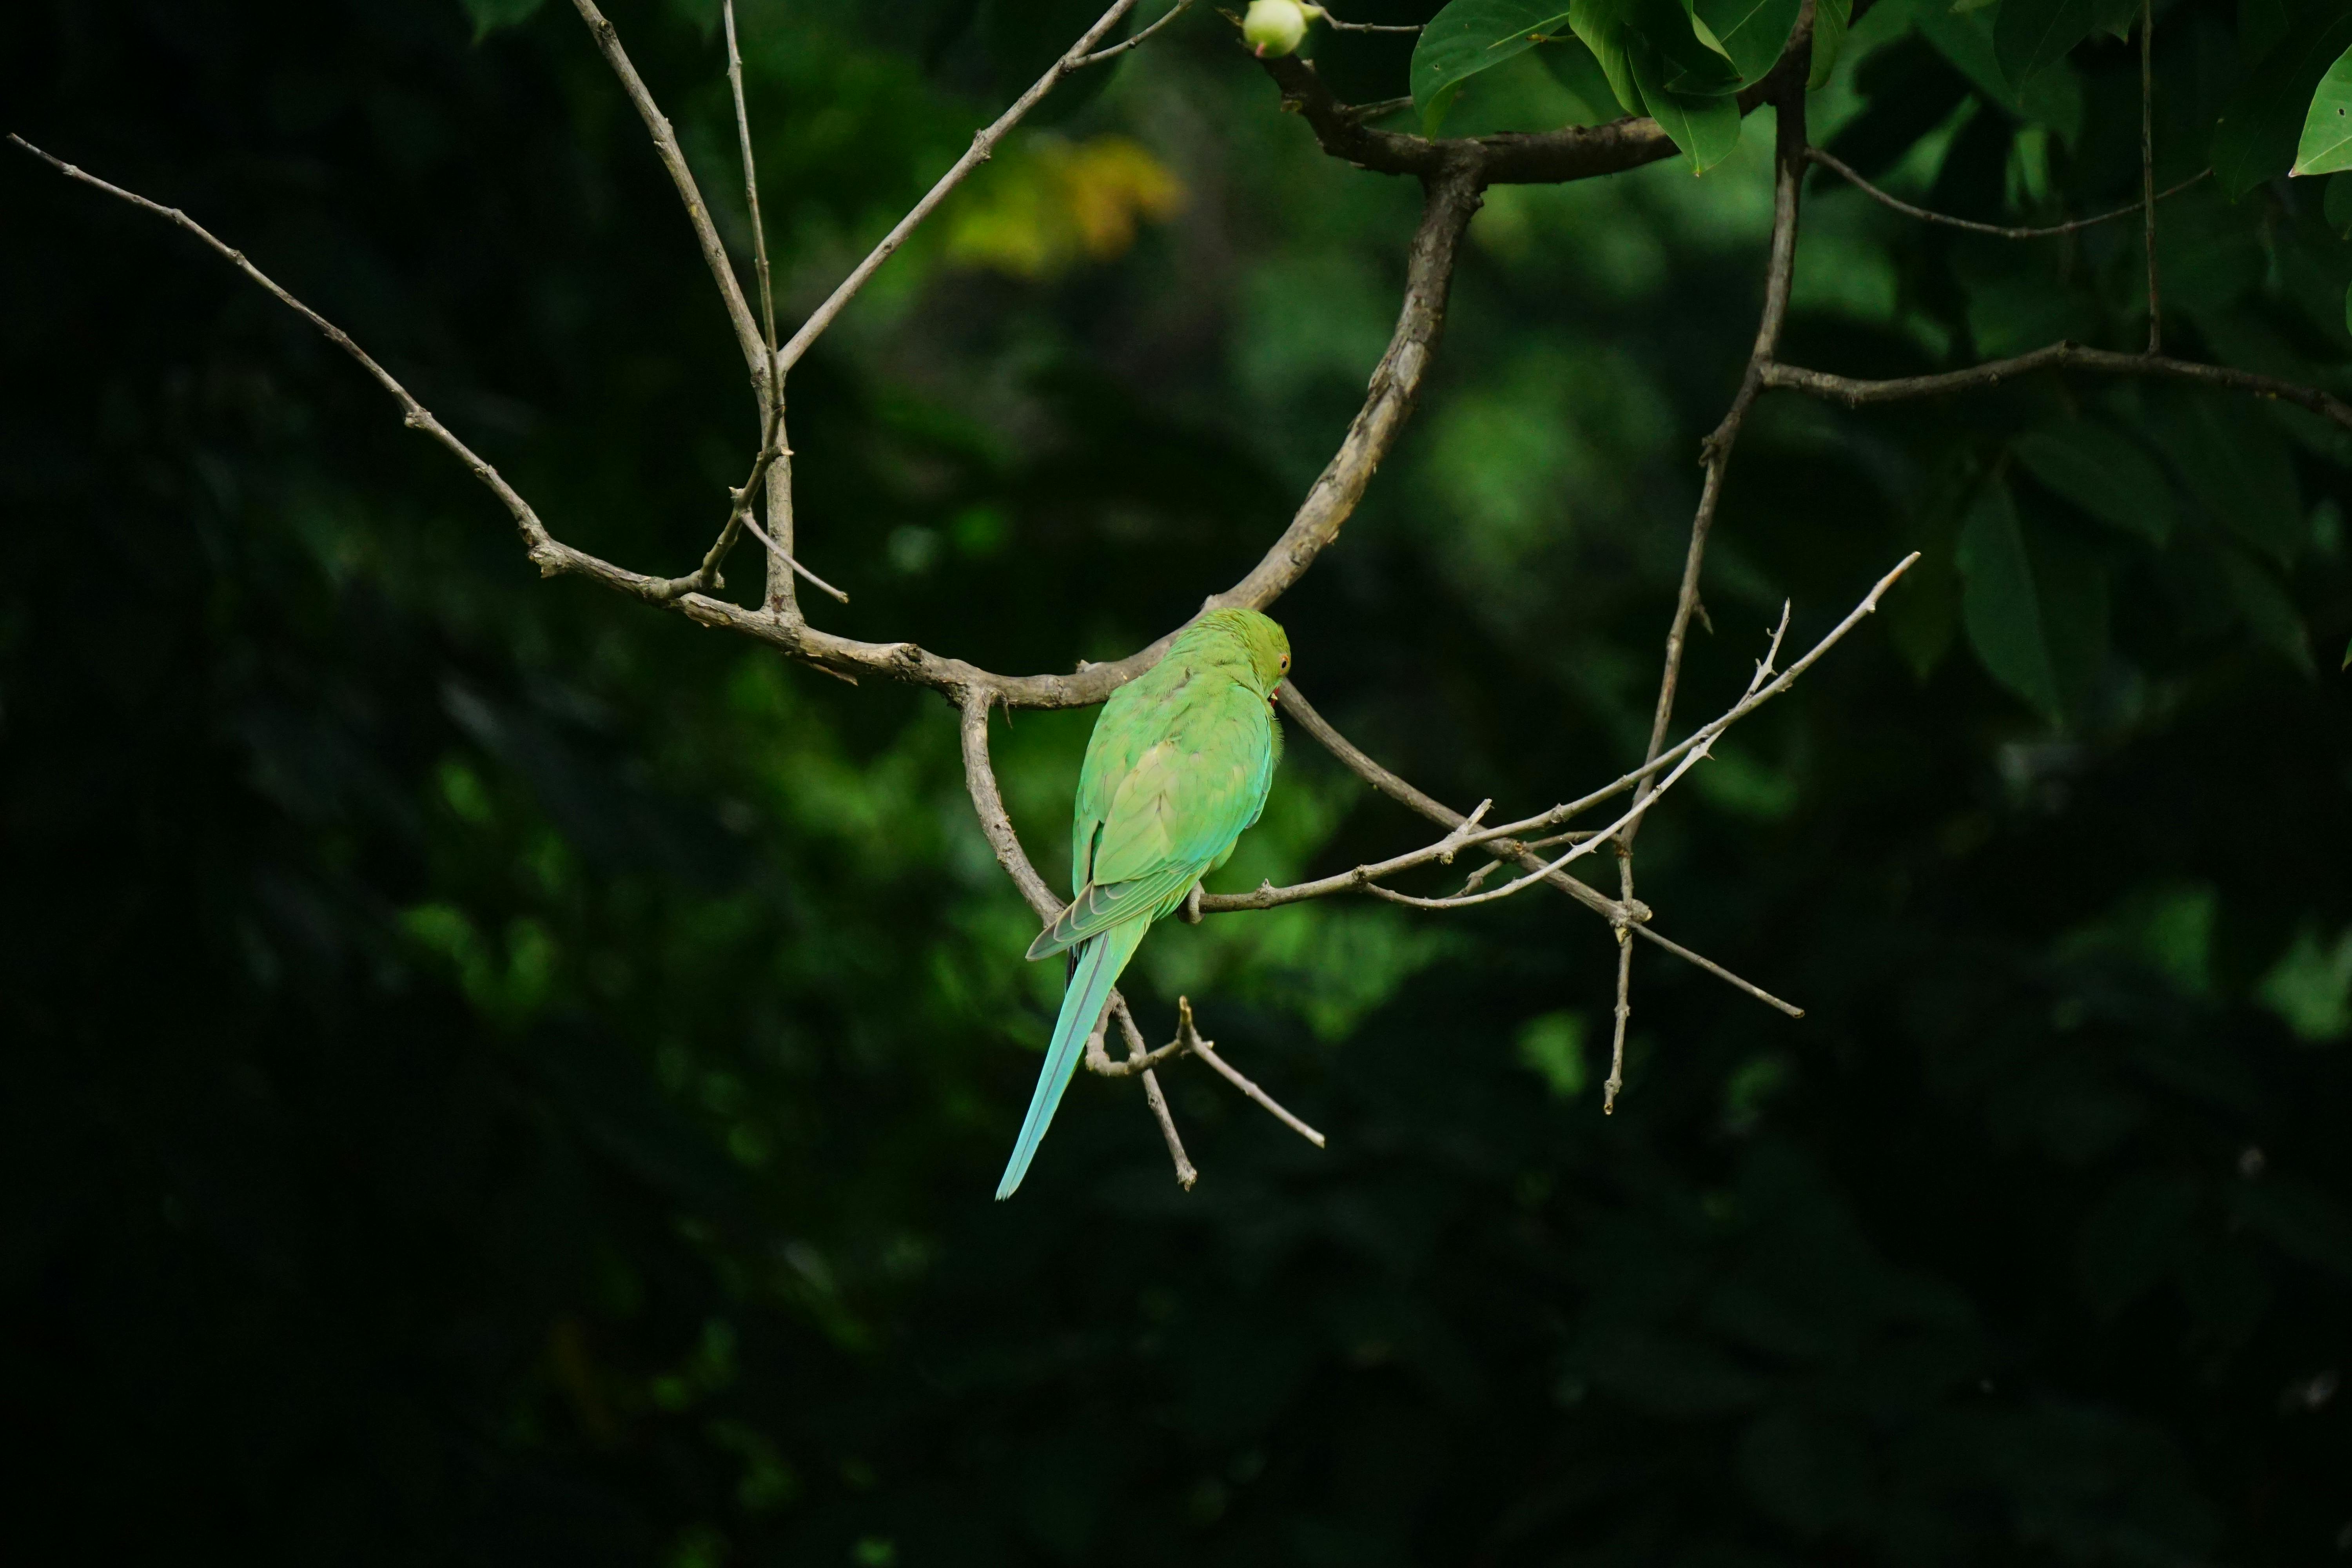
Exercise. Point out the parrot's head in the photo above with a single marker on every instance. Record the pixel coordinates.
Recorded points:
(1254, 647)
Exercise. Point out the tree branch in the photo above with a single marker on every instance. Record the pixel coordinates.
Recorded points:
(1316, 524)
(697, 212)
(1452, 196)
(536, 538)
(2075, 225)
(1185, 1173)
(1789, 170)
(1854, 392)
(1137, 42)
(983, 146)
(1620, 1015)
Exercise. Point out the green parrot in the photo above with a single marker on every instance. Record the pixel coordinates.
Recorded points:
(1177, 769)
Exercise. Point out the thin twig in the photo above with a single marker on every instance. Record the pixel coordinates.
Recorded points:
(1854, 392)
(780, 554)
(1137, 42)
(1624, 1011)
(775, 445)
(1338, 25)
(2075, 226)
(983, 144)
(1466, 833)
(2147, 170)
(535, 536)
(750, 185)
(697, 211)
(1353, 757)
(1789, 145)
(705, 578)
(1650, 933)
(1188, 1041)
(1103, 1066)
(1632, 817)
(1207, 1051)
(1185, 1173)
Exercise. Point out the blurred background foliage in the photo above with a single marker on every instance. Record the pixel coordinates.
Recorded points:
(497, 1075)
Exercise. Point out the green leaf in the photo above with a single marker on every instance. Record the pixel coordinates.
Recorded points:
(1601, 25)
(2337, 208)
(1830, 20)
(1690, 65)
(2030, 35)
(2237, 467)
(1752, 32)
(2000, 606)
(2267, 610)
(2327, 144)
(2255, 137)
(2050, 97)
(2035, 609)
(489, 15)
(2117, 19)
(1469, 37)
(1572, 66)
(1706, 126)
(2102, 472)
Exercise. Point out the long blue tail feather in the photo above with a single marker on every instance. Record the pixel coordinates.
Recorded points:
(1099, 963)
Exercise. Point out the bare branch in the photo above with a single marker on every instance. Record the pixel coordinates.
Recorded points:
(988, 805)
(1788, 171)
(1185, 1174)
(705, 578)
(1303, 714)
(697, 212)
(1137, 42)
(1650, 934)
(775, 445)
(1338, 25)
(750, 187)
(1854, 392)
(1841, 168)
(1102, 1065)
(1624, 1011)
(1762, 687)
(535, 536)
(1453, 195)
(779, 553)
(1396, 385)
(983, 144)
(1189, 1035)
(1188, 1040)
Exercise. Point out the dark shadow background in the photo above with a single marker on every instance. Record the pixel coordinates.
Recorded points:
(498, 1075)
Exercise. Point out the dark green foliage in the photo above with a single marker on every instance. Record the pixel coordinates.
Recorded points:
(502, 1075)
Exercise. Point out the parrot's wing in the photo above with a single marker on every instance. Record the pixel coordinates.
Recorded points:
(1189, 796)
(1099, 906)
(1136, 716)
